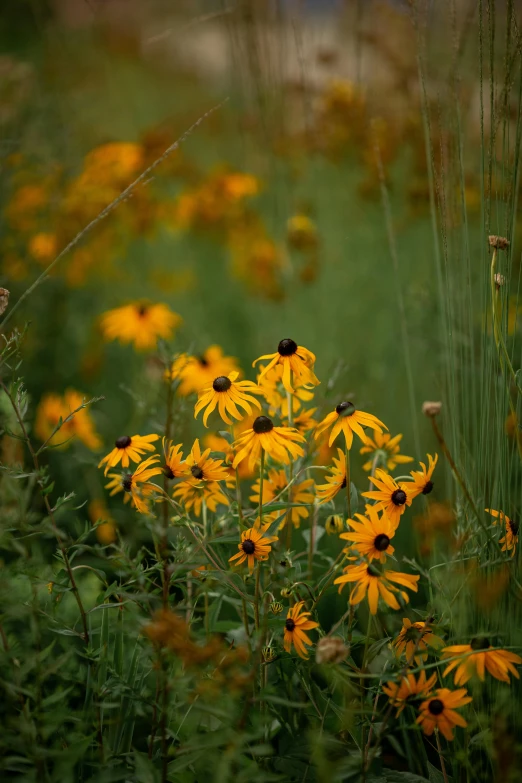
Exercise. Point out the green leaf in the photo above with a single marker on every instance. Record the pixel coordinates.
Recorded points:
(436, 776)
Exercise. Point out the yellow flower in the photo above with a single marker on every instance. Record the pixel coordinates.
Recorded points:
(422, 483)
(335, 482)
(136, 485)
(301, 232)
(477, 657)
(371, 536)
(43, 247)
(297, 622)
(438, 711)
(192, 495)
(392, 497)
(297, 364)
(334, 524)
(226, 394)
(384, 451)
(52, 408)
(511, 526)
(347, 419)
(128, 449)
(409, 690)
(281, 443)
(271, 384)
(106, 533)
(413, 640)
(254, 545)
(304, 421)
(204, 468)
(195, 373)
(139, 323)
(368, 580)
(299, 493)
(174, 466)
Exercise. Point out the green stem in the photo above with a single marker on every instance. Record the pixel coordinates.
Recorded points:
(289, 401)
(348, 481)
(261, 481)
(256, 599)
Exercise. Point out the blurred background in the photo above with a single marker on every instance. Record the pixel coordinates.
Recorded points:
(341, 195)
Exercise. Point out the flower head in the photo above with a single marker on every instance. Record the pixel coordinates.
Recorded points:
(477, 657)
(371, 535)
(271, 384)
(226, 394)
(438, 711)
(334, 524)
(335, 481)
(371, 582)
(53, 408)
(413, 640)
(281, 443)
(511, 528)
(422, 483)
(254, 545)
(128, 449)
(174, 467)
(275, 482)
(297, 363)
(348, 420)
(140, 323)
(204, 468)
(392, 497)
(195, 373)
(409, 690)
(384, 451)
(191, 494)
(296, 624)
(137, 485)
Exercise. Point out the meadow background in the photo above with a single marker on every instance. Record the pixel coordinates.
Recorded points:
(389, 130)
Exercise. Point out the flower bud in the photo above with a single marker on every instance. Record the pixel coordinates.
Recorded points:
(334, 524)
(431, 409)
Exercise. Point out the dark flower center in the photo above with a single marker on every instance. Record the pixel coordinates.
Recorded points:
(127, 483)
(289, 624)
(168, 472)
(372, 571)
(413, 634)
(123, 442)
(202, 361)
(222, 384)
(248, 547)
(287, 347)
(480, 644)
(381, 542)
(436, 706)
(514, 526)
(399, 497)
(345, 409)
(283, 563)
(196, 472)
(262, 424)
(343, 485)
(142, 309)
(427, 488)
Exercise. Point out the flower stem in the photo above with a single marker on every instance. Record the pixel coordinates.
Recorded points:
(348, 481)
(441, 757)
(261, 481)
(289, 402)
(455, 470)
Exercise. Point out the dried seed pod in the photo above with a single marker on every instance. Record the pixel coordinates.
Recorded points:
(331, 649)
(4, 300)
(431, 409)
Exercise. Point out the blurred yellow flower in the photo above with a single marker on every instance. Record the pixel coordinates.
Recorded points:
(384, 451)
(195, 373)
(43, 247)
(301, 232)
(106, 533)
(136, 485)
(140, 323)
(52, 408)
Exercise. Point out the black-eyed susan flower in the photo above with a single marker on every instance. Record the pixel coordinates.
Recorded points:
(226, 393)
(369, 581)
(275, 482)
(478, 657)
(409, 690)
(140, 323)
(438, 711)
(347, 419)
(335, 481)
(281, 443)
(192, 494)
(297, 363)
(383, 451)
(422, 483)
(511, 528)
(53, 408)
(334, 524)
(175, 466)
(136, 485)
(271, 384)
(304, 421)
(297, 622)
(128, 449)
(195, 373)
(371, 536)
(391, 497)
(254, 545)
(413, 640)
(205, 468)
